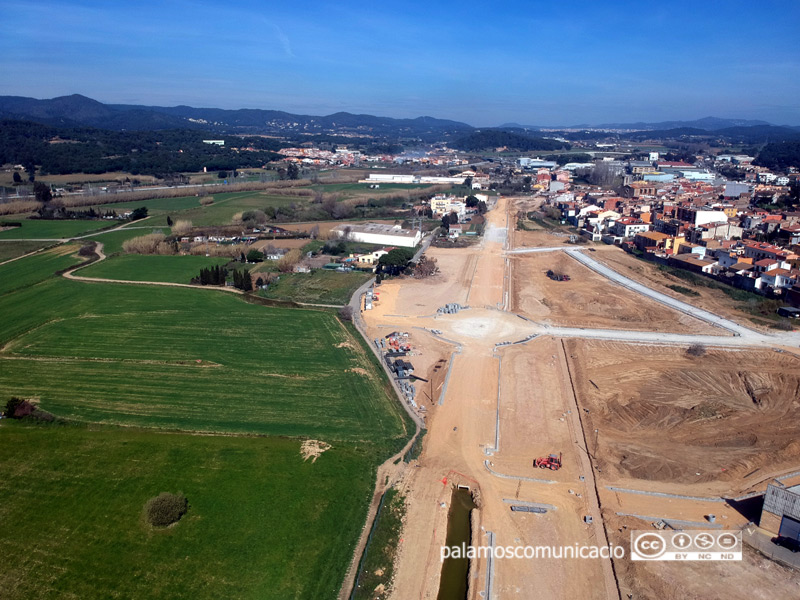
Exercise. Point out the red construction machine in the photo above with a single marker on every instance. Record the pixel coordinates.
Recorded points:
(552, 461)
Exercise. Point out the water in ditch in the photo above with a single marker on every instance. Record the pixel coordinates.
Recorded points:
(453, 585)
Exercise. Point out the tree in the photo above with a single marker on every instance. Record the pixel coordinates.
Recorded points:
(471, 201)
(17, 178)
(446, 222)
(482, 207)
(42, 192)
(314, 233)
(346, 313)
(138, 213)
(453, 218)
(292, 171)
(395, 261)
(289, 260)
(169, 221)
(30, 169)
(254, 256)
(222, 175)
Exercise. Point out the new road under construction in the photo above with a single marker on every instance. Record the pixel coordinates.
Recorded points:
(567, 406)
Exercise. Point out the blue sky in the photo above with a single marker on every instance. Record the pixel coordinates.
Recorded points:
(542, 63)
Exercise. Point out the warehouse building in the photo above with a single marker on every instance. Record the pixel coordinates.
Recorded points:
(781, 512)
(378, 233)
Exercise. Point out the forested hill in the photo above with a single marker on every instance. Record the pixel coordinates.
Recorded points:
(77, 110)
(60, 150)
(489, 139)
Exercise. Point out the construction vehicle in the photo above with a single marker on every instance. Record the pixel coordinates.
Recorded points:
(551, 461)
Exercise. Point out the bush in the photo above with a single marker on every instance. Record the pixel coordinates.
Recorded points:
(696, 350)
(181, 227)
(11, 407)
(254, 256)
(206, 201)
(346, 313)
(166, 509)
(146, 244)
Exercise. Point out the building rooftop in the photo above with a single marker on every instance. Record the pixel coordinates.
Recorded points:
(378, 228)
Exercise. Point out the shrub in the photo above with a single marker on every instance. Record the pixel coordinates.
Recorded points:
(289, 260)
(696, 350)
(181, 227)
(166, 509)
(346, 313)
(144, 244)
(88, 249)
(206, 201)
(11, 407)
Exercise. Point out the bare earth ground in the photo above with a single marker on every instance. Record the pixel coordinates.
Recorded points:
(754, 578)
(588, 299)
(648, 273)
(661, 418)
(664, 416)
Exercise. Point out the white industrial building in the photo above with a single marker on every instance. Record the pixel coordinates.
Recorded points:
(411, 179)
(378, 233)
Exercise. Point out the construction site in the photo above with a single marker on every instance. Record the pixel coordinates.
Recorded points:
(573, 411)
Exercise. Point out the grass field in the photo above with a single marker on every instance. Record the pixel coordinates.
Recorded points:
(36, 268)
(40, 229)
(319, 286)
(137, 267)
(112, 241)
(261, 522)
(14, 249)
(124, 354)
(221, 212)
(155, 206)
(377, 567)
(225, 206)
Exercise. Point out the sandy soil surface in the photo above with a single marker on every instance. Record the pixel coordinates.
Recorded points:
(712, 300)
(540, 238)
(665, 416)
(754, 577)
(588, 299)
(505, 405)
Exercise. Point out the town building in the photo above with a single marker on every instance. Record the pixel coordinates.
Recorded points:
(379, 233)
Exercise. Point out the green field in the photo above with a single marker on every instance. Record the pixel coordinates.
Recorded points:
(155, 206)
(14, 249)
(137, 267)
(261, 522)
(318, 287)
(40, 229)
(38, 267)
(159, 388)
(112, 241)
(125, 354)
(227, 205)
(221, 212)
